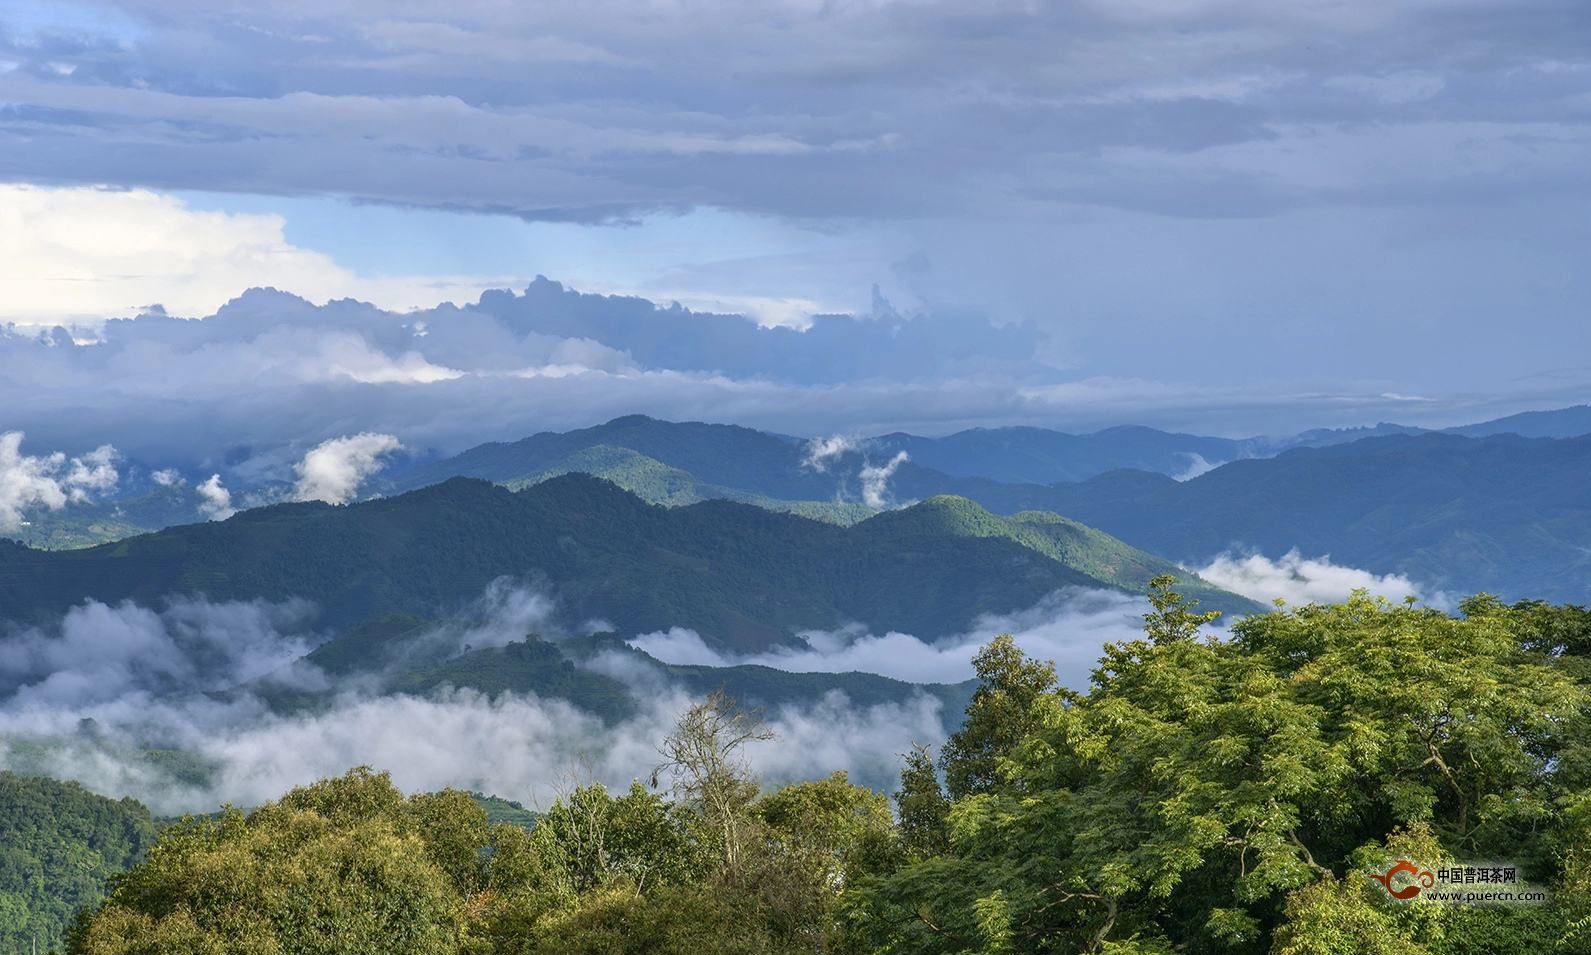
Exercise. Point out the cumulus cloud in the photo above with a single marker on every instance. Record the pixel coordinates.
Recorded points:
(167, 477)
(875, 480)
(1068, 627)
(87, 254)
(1297, 579)
(215, 501)
(50, 481)
(333, 470)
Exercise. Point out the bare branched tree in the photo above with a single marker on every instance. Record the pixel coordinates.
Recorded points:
(704, 757)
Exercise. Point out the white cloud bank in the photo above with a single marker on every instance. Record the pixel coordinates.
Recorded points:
(1303, 580)
(50, 481)
(333, 470)
(101, 654)
(1068, 627)
(147, 677)
(84, 254)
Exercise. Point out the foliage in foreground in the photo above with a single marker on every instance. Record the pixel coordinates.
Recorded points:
(1204, 796)
(1230, 796)
(59, 843)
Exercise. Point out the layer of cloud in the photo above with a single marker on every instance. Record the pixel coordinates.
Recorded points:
(1184, 108)
(333, 470)
(1199, 176)
(1068, 627)
(89, 692)
(50, 481)
(166, 389)
(89, 254)
(98, 653)
(516, 746)
(1297, 579)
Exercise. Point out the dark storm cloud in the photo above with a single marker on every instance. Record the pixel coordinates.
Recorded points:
(250, 390)
(868, 110)
(1223, 215)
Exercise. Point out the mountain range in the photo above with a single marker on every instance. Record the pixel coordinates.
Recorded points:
(1469, 509)
(1491, 512)
(682, 463)
(745, 578)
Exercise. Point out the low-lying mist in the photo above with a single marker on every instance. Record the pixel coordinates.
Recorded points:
(172, 704)
(1068, 627)
(168, 705)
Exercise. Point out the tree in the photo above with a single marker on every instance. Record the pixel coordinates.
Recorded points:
(922, 806)
(591, 838)
(1228, 795)
(998, 717)
(704, 755)
(1173, 617)
(811, 841)
(343, 867)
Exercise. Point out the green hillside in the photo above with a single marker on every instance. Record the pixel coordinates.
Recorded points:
(84, 525)
(1076, 545)
(1503, 514)
(657, 483)
(720, 455)
(743, 577)
(59, 844)
(1494, 512)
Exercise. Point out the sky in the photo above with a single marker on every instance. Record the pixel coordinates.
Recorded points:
(1227, 216)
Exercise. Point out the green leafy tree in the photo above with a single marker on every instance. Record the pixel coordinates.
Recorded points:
(592, 838)
(923, 807)
(1222, 795)
(997, 719)
(345, 866)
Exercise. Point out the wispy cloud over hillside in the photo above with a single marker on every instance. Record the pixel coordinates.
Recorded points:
(1297, 579)
(1068, 627)
(88, 695)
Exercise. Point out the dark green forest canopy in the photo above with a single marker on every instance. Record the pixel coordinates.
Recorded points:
(1202, 796)
(743, 577)
(59, 843)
